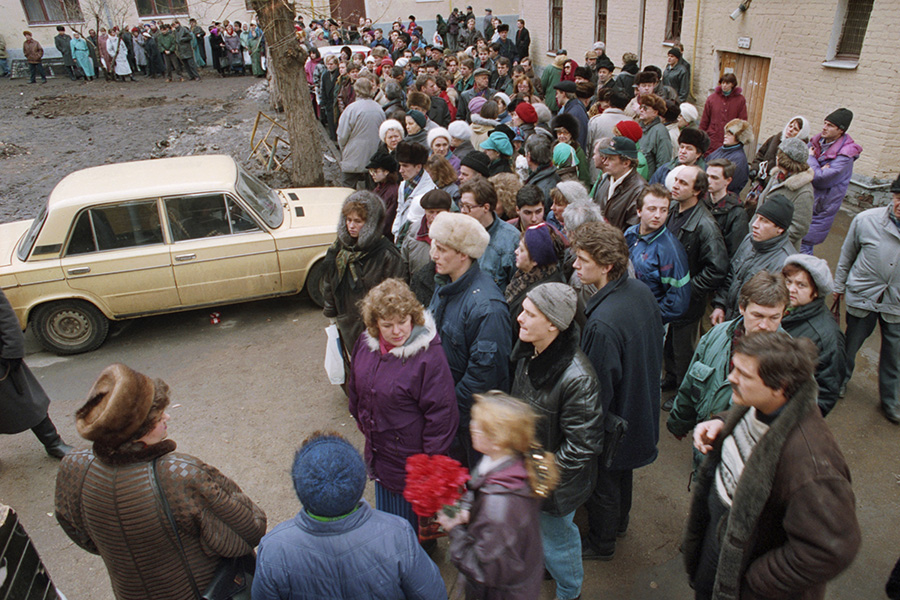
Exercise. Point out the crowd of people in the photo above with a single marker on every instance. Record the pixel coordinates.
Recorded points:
(152, 49)
(527, 265)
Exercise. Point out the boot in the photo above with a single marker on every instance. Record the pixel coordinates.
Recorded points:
(49, 437)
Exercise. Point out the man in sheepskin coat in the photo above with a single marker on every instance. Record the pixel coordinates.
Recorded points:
(773, 514)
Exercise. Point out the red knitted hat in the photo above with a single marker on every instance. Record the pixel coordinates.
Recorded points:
(526, 112)
(630, 129)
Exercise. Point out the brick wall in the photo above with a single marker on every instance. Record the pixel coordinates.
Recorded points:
(794, 35)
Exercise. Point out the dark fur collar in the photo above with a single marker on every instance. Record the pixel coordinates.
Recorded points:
(132, 452)
(546, 368)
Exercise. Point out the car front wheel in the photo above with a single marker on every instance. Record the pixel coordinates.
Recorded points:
(315, 284)
(70, 326)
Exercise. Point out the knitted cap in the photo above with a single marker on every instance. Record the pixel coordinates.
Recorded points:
(778, 209)
(540, 245)
(477, 161)
(476, 103)
(795, 149)
(418, 117)
(630, 129)
(329, 476)
(674, 51)
(818, 271)
(556, 301)
(841, 117)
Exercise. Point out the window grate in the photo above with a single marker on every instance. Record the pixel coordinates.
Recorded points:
(673, 20)
(854, 32)
(556, 16)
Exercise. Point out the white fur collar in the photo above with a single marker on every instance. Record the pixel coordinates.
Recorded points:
(417, 344)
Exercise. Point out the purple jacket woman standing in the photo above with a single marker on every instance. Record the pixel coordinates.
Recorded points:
(404, 403)
(832, 170)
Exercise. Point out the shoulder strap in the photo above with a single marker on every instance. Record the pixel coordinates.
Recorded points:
(161, 496)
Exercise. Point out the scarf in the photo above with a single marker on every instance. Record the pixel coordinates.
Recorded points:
(422, 234)
(348, 259)
(521, 280)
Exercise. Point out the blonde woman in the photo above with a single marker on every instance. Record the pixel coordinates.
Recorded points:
(495, 541)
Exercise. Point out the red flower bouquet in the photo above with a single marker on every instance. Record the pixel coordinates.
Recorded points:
(433, 483)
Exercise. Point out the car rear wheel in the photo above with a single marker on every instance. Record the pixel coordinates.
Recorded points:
(70, 326)
(315, 284)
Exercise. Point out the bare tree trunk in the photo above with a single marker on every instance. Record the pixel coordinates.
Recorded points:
(286, 58)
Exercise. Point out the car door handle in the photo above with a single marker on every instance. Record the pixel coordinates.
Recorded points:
(79, 270)
(184, 257)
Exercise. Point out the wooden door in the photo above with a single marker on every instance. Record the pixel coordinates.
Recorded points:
(752, 73)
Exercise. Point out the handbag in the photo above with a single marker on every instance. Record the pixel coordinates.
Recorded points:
(233, 578)
(614, 428)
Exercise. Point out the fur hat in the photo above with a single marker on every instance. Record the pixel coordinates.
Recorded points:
(695, 137)
(329, 476)
(741, 130)
(370, 233)
(460, 232)
(460, 130)
(556, 301)
(383, 160)
(436, 133)
(646, 77)
(778, 209)
(123, 405)
(841, 117)
(560, 61)
(689, 112)
(411, 152)
(388, 125)
(584, 89)
(795, 149)
(477, 161)
(599, 46)
(818, 270)
(568, 122)
(526, 112)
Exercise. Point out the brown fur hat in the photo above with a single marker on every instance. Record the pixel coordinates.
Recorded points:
(123, 405)
(741, 130)
(646, 77)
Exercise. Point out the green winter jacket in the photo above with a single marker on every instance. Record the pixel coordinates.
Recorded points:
(705, 390)
(166, 42)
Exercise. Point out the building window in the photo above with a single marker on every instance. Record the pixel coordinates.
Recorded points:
(556, 35)
(854, 30)
(157, 8)
(52, 11)
(600, 23)
(673, 20)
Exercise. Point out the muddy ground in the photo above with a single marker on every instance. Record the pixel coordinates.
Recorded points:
(50, 130)
(247, 390)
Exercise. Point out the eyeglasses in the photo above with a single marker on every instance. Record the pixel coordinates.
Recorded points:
(467, 208)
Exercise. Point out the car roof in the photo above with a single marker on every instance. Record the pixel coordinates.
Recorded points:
(354, 48)
(145, 179)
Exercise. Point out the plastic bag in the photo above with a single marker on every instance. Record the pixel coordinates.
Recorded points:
(334, 362)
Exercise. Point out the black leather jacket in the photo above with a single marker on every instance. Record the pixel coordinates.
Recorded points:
(561, 385)
(707, 257)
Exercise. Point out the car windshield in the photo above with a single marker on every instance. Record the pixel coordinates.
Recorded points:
(28, 240)
(262, 199)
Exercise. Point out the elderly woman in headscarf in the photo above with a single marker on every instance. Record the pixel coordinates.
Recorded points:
(792, 177)
(765, 157)
(566, 162)
(738, 137)
(359, 259)
(161, 521)
(81, 52)
(561, 196)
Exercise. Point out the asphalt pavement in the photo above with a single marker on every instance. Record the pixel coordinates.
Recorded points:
(248, 390)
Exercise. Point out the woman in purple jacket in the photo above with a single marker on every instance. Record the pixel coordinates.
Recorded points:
(401, 391)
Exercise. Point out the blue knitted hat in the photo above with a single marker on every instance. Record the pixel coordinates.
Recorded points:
(329, 476)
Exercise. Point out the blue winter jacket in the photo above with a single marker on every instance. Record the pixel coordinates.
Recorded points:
(366, 555)
(660, 261)
(472, 318)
